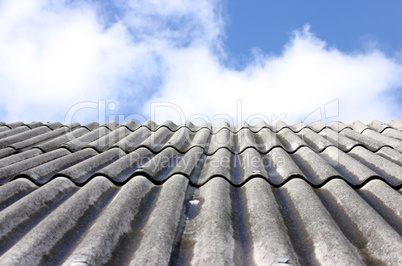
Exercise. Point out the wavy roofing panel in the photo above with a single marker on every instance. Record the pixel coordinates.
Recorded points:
(180, 194)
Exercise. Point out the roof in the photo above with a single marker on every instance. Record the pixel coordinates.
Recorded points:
(158, 194)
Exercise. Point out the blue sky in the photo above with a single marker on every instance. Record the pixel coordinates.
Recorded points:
(347, 25)
(201, 60)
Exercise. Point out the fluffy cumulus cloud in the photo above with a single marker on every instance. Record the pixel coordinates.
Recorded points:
(308, 81)
(166, 60)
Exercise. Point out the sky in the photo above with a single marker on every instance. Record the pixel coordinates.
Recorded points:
(206, 60)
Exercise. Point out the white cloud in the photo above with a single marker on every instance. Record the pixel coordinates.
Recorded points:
(308, 75)
(54, 54)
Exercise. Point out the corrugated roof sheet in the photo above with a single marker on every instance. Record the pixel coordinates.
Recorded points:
(184, 194)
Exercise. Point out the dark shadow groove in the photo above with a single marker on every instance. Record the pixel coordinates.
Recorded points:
(161, 182)
(90, 129)
(344, 129)
(243, 250)
(244, 149)
(365, 130)
(171, 130)
(387, 127)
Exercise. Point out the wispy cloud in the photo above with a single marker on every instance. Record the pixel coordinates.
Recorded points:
(54, 54)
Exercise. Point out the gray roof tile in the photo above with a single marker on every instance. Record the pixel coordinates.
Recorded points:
(342, 142)
(39, 139)
(338, 126)
(221, 139)
(77, 143)
(209, 230)
(217, 164)
(187, 194)
(159, 167)
(4, 128)
(112, 125)
(14, 125)
(195, 128)
(91, 126)
(391, 154)
(266, 140)
(259, 126)
(385, 201)
(378, 126)
(14, 191)
(317, 126)
(369, 143)
(268, 234)
(34, 124)
(394, 133)
(220, 126)
(44, 172)
(184, 139)
(107, 141)
(239, 126)
(22, 216)
(385, 140)
(53, 125)
(350, 169)
(315, 141)
(132, 125)
(388, 170)
(248, 164)
(72, 125)
(263, 140)
(245, 138)
(363, 224)
(159, 234)
(281, 166)
(170, 125)
(54, 143)
(309, 220)
(6, 152)
(135, 139)
(298, 126)
(19, 157)
(397, 124)
(185, 164)
(114, 225)
(151, 125)
(12, 132)
(157, 140)
(279, 126)
(60, 225)
(23, 136)
(314, 167)
(9, 171)
(123, 168)
(290, 141)
(358, 126)
(81, 172)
